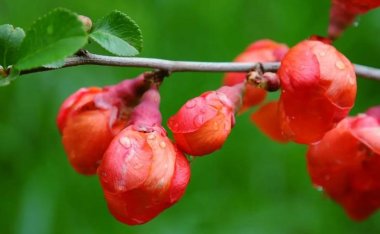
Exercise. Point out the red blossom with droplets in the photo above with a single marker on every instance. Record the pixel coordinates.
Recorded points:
(142, 172)
(346, 162)
(259, 51)
(203, 124)
(344, 12)
(318, 89)
(91, 117)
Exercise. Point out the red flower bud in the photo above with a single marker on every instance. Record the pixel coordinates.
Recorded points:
(346, 162)
(203, 124)
(318, 90)
(344, 12)
(267, 120)
(91, 117)
(259, 51)
(142, 172)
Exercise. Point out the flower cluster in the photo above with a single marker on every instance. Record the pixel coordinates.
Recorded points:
(259, 51)
(318, 89)
(345, 164)
(116, 132)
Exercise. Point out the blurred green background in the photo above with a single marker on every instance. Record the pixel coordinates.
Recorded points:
(252, 185)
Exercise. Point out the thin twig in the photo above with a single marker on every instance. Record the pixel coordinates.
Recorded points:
(182, 66)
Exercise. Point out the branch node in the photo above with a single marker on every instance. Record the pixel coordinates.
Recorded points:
(268, 80)
(156, 76)
(82, 53)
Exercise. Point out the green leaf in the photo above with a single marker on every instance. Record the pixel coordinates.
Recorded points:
(10, 41)
(118, 34)
(51, 38)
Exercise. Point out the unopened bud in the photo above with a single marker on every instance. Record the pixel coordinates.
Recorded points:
(86, 21)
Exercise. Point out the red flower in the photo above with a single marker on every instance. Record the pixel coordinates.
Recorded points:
(344, 12)
(203, 124)
(259, 51)
(142, 172)
(90, 118)
(267, 120)
(318, 90)
(346, 162)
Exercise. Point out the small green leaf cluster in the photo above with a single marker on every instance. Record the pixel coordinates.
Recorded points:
(60, 34)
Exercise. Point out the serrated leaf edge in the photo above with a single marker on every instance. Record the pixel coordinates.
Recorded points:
(45, 16)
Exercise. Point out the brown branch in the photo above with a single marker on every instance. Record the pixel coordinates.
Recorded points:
(86, 58)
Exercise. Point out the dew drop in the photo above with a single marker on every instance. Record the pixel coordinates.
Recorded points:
(125, 141)
(191, 104)
(162, 144)
(339, 64)
(323, 53)
(319, 188)
(120, 186)
(151, 136)
(160, 183)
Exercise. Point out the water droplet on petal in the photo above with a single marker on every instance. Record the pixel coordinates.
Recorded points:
(319, 188)
(323, 53)
(160, 183)
(191, 104)
(151, 136)
(120, 186)
(340, 65)
(162, 144)
(126, 142)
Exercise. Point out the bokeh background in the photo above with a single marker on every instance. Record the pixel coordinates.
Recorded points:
(252, 185)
